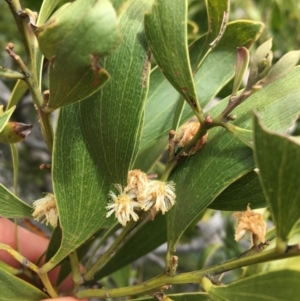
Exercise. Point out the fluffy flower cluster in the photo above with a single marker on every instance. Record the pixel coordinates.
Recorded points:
(140, 193)
(45, 210)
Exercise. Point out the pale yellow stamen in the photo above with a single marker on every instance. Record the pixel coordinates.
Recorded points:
(159, 194)
(123, 206)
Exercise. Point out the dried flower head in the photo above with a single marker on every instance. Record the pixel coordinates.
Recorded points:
(45, 210)
(137, 181)
(159, 194)
(123, 205)
(249, 221)
(198, 145)
(186, 134)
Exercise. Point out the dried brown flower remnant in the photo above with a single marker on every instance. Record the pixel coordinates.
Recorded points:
(186, 134)
(249, 221)
(45, 210)
(198, 145)
(137, 181)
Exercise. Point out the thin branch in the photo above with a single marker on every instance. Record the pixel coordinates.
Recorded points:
(21, 259)
(23, 27)
(192, 277)
(76, 275)
(26, 263)
(234, 101)
(24, 19)
(10, 50)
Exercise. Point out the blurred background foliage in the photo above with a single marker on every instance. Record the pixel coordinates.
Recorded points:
(212, 239)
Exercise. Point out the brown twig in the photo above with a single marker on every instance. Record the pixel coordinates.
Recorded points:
(10, 50)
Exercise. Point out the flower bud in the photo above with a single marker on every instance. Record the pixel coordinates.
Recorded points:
(14, 132)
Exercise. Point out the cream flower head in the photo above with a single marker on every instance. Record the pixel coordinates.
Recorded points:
(159, 194)
(249, 221)
(140, 194)
(45, 210)
(123, 205)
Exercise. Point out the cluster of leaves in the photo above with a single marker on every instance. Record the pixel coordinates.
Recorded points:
(115, 113)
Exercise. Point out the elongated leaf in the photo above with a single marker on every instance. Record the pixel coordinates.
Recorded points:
(282, 67)
(260, 65)
(4, 118)
(47, 8)
(9, 269)
(278, 160)
(75, 48)
(219, 66)
(207, 255)
(147, 158)
(14, 288)
(215, 72)
(224, 159)
(241, 66)
(148, 237)
(54, 243)
(11, 206)
(246, 190)
(79, 187)
(112, 119)
(292, 263)
(159, 109)
(122, 276)
(200, 178)
(166, 31)
(246, 136)
(17, 93)
(119, 5)
(215, 14)
(275, 286)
